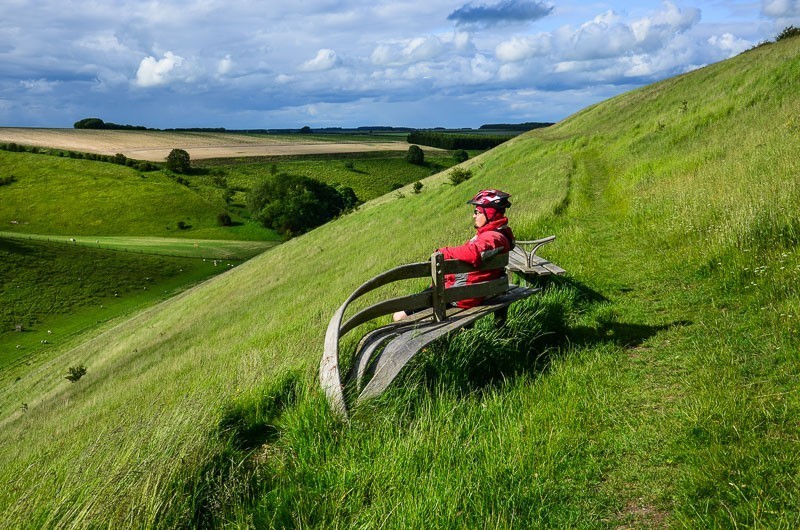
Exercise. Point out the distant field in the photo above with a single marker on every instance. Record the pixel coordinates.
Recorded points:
(156, 145)
(369, 174)
(164, 246)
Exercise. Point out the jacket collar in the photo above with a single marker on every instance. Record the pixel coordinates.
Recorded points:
(496, 224)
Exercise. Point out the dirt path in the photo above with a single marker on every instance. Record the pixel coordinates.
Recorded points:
(156, 145)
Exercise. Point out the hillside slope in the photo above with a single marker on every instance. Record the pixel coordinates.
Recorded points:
(63, 196)
(662, 390)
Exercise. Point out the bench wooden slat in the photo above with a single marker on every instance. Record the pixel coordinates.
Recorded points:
(407, 342)
(329, 376)
(454, 266)
(520, 265)
(411, 302)
(555, 269)
(371, 342)
(477, 290)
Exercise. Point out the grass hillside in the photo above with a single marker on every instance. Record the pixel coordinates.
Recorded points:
(97, 198)
(655, 386)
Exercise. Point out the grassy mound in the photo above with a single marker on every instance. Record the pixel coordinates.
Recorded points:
(656, 386)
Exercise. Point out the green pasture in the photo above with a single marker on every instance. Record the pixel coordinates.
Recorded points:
(63, 196)
(219, 249)
(369, 174)
(56, 290)
(654, 386)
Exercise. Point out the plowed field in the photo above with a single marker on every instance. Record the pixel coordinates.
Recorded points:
(156, 145)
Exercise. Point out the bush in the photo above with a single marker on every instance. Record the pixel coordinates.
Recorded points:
(75, 373)
(4, 181)
(417, 187)
(183, 226)
(224, 219)
(787, 33)
(415, 155)
(460, 156)
(459, 175)
(120, 159)
(178, 161)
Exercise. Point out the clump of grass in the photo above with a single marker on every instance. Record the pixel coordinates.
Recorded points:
(75, 373)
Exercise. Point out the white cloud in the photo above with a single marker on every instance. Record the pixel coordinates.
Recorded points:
(727, 42)
(418, 49)
(653, 31)
(324, 60)
(520, 48)
(39, 86)
(155, 72)
(781, 8)
(103, 42)
(225, 65)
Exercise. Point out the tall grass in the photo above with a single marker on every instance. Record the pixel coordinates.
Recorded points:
(656, 386)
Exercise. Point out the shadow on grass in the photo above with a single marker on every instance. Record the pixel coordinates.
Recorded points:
(538, 330)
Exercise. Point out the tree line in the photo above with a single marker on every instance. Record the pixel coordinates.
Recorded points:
(453, 141)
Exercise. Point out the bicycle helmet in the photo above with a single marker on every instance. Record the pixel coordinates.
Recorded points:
(491, 199)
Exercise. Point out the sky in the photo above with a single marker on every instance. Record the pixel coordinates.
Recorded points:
(252, 64)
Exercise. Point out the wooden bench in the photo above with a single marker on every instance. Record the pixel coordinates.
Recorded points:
(524, 261)
(383, 352)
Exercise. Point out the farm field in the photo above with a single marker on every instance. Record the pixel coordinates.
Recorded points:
(156, 145)
(655, 386)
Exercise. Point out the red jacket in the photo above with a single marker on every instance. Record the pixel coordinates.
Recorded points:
(492, 238)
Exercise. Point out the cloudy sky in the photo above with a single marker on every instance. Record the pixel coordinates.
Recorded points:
(325, 63)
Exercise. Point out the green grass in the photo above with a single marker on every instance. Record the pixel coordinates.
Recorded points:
(655, 386)
(57, 290)
(191, 248)
(62, 196)
(369, 174)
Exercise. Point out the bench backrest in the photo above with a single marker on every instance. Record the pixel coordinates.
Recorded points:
(437, 298)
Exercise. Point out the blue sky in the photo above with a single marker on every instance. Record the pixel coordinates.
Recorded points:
(327, 63)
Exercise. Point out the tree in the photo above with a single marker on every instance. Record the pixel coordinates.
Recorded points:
(90, 123)
(293, 204)
(415, 155)
(460, 156)
(178, 161)
(305, 130)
